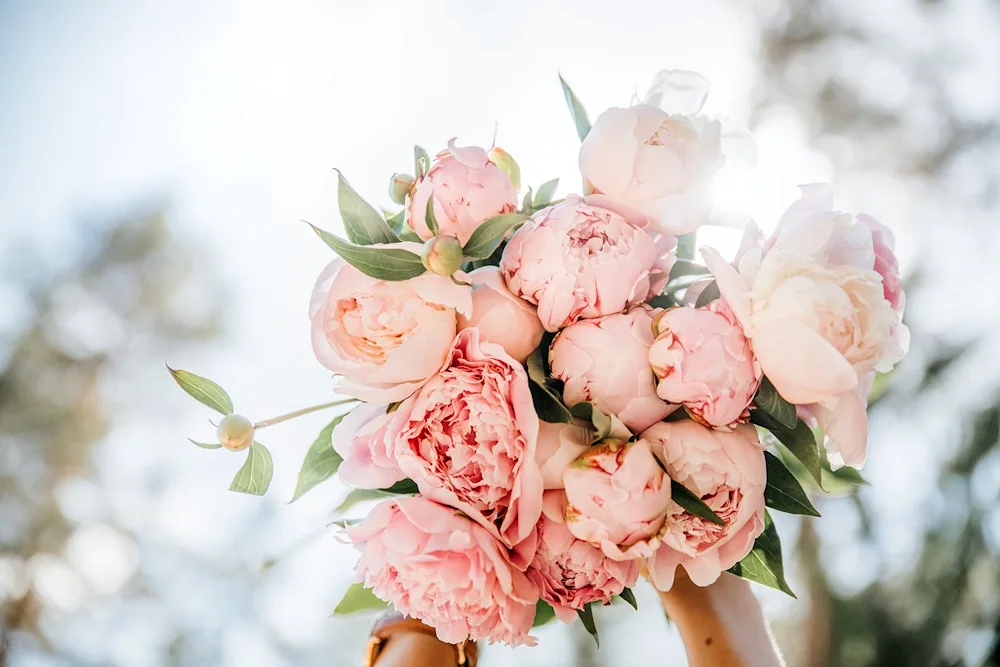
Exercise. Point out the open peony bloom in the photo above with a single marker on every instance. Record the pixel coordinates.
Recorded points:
(727, 471)
(361, 440)
(467, 189)
(605, 361)
(384, 337)
(618, 496)
(570, 573)
(433, 564)
(575, 260)
(704, 361)
(501, 317)
(816, 312)
(468, 438)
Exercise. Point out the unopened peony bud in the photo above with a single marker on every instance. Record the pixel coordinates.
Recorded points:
(507, 165)
(442, 255)
(400, 185)
(235, 432)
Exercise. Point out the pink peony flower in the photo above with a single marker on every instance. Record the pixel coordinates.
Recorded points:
(501, 317)
(606, 361)
(618, 497)
(727, 470)
(433, 564)
(468, 190)
(576, 260)
(384, 337)
(361, 440)
(468, 438)
(814, 308)
(704, 362)
(886, 264)
(569, 573)
(558, 446)
(657, 163)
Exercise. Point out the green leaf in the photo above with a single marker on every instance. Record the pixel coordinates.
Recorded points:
(708, 295)
(692, 503)
(600, 421)
(321, 461)
(685, 267)
(662, 301)
(526, 203)
(546, 191)
(686, 246)
(421, 161)
(763, 564)
(404, 487)
(489, 235)
(770, 401)
(543, 613)
(783, 492)
(397, 221)
(799, 441)
(362, 223)
(206, 445)
(629, 597)
(358, 598)
(587, 617)
(548, 403)
(255, 475)
(407, 234)
(203, 390)
(848, 475)
(379, 263)
(576, 110)
(432, 223)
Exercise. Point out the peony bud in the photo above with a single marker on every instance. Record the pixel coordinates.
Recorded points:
(442, 255)
(235, 432)
(400, 185)
(505, 163)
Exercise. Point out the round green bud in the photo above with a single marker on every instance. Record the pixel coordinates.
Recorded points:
(442, 255)
(235, 432)
(400, 185)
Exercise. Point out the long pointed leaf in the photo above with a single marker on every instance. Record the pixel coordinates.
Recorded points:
(692, 503)
(576, 110)
(255, 475)
(203, 390)
(362, 223)
(379, 263)
(321, 461)
(489, 235)
(783, 492)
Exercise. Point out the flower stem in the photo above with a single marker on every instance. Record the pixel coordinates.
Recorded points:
(304, 411)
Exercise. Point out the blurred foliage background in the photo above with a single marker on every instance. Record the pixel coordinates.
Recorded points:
(120, 546)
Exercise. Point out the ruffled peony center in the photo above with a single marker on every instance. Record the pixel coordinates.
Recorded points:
(598, 237)
(693, 535)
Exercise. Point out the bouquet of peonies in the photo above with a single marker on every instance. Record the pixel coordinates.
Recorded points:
(554, 397)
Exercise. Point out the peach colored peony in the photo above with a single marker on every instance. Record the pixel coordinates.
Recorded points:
(468, 190)
(618, 496)
(558, 446)
(727, 470)
(569, 573)
(362, 442)
(704, 362)
(657, 163)
(434, 564)
(575, 260)
(468, 438)
(815, 311)
(501, 317)
(384, 337)
(605, 361)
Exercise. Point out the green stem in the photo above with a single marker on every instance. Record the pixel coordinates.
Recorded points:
(304, 411)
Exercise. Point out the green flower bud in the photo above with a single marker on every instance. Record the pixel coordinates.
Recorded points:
(235, 432)
(400, 185)
(442, 255)
(508, 165)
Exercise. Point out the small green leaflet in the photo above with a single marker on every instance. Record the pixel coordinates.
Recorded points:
(548, 403)
(600, 421)
(763, 564)
(255, 475)
(421, 161)
(206, 445)
(770, 401)
(692, 503)
(362, 223)
(662, 301)
(685, 267)
(799, 441)
(576, 110)
(783, 492)
(546, 191)
(378, 263)
(203, 390)
(526, 204)
(686, 245)
(401, 488)
(543, 613)
(587, 617)
(629, 597)
(708, 295)
(358, 598)
(489, 235)
(429, 218)
(321, 461)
